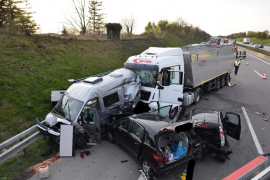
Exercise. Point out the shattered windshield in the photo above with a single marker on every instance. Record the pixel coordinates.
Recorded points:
(148, 78)
(68, 108)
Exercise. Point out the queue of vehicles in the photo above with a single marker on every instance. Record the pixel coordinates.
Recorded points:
(138, 106)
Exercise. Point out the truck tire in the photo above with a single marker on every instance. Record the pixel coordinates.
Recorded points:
(197, 95)
(227, 79)
(222, 82)
(173, 112)
(217, 84)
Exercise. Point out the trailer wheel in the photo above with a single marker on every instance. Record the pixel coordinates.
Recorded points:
(227, 79)
(173, 112)
(198, 95)
(222, 84)
(217, 84)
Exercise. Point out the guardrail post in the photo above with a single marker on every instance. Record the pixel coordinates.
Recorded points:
(24, 150)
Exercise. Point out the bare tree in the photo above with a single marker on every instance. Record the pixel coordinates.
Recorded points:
(79, 19)
(128, 24)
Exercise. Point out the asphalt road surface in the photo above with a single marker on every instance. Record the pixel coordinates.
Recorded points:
(250, 94)
(266, 48)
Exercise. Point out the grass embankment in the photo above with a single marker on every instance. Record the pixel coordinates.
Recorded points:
(31, 67)
(265, 42)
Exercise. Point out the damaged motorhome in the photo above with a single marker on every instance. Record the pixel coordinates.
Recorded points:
(92, 100)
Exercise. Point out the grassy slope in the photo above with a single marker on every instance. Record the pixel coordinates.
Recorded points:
(265, 42)
(31, 67)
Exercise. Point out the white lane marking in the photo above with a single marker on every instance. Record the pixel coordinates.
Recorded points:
(259, 59)
(252, 132)
(258, 74)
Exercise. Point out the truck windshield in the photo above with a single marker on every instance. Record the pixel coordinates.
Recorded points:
(67, 108)
(148, 78)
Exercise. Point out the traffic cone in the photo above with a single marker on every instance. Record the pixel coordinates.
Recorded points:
(264, 75)
(247, 63)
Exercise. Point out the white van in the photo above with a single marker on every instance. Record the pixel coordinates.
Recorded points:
(246, 41)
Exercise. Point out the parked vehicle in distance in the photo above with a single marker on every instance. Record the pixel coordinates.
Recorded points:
(252, 43)
(156, 142)
(224, 41)
(260, 46)
(202, 42)
(256, 46)
(246, 41)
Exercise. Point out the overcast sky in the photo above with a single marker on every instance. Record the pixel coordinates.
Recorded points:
(216, 17)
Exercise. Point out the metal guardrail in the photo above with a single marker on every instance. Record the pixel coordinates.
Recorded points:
(20, 146)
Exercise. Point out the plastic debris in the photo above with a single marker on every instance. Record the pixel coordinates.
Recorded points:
(257, 113)
(28, 104)
(124, 161)
(263, 113)
(206, 99)
(87, 153)
(265, 119)
(82, 155)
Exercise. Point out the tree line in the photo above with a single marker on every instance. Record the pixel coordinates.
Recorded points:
(16, 17)
(178, 27)
(259, 35)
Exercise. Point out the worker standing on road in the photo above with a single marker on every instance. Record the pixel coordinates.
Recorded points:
(236, 56)
(240, 54)
(236, 66)
(244, 54)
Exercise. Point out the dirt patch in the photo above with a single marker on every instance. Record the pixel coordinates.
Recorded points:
(34, 169)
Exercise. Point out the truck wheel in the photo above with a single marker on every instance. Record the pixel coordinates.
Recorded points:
(217, 85)
(227, 79)
(198, 95)
(222, 83)
(173, 112)
(81, 140)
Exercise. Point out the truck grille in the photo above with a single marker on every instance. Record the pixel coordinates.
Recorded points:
(145, 95)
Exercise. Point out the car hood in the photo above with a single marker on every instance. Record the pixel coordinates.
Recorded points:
(52, 120)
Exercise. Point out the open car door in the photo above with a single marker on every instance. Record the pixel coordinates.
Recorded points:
(233, 125)
(91, 123)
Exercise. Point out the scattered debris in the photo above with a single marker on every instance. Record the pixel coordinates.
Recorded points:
(93, 162)
(130, 172)
(263, 128)
(265, 119)
(82, 155)
(257, 113)
(87, 153)
(124, 161)
(263, 113)
(206, 99)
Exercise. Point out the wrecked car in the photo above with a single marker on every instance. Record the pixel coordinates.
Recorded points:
(159, 144)
(90, 101)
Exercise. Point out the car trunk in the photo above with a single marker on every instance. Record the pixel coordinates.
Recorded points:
(168, 144)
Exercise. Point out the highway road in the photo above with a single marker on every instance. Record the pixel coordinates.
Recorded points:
(266, 48)
(249, 95)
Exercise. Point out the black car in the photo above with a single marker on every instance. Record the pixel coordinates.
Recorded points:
(260, 46)
(158, 146)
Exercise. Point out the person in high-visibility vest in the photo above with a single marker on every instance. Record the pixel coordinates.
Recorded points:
(236, 66)
(240, 55)
(244, 54)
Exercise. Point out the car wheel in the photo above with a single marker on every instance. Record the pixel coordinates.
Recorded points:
(110, 137)
(81, 140)
(198, 95)
(217, 84)
(222, 84)
(147, 168)
(173, 112)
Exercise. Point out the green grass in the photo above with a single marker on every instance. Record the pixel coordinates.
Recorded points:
(32, 67)
(265, 42)
(255, 49)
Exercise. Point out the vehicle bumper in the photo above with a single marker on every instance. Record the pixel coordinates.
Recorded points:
(168, 167)
(44, 128)
(223, 150)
